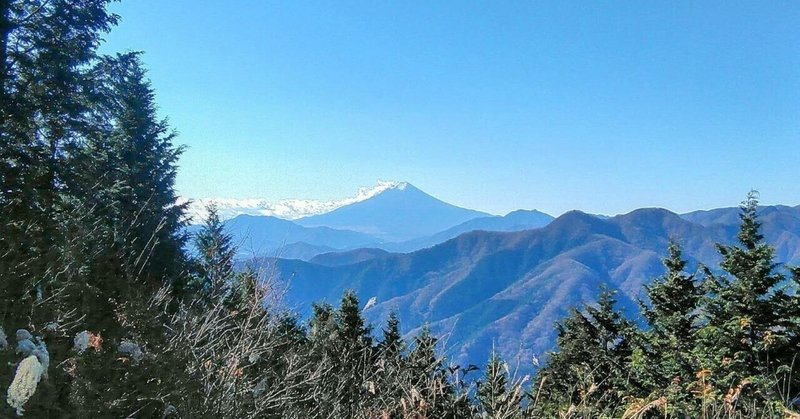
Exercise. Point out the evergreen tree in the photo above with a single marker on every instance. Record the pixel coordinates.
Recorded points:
(742, 334)
(137, 160)
(791, 313)
(433, 395)
(495, 398)
(389, 367)
(423, 359)
(353, 330)
(591, 361)
(322, 324)
(674, 301)
(355, 353)
(46, 50)
(392, 344)
(75, 256)
(215, 259)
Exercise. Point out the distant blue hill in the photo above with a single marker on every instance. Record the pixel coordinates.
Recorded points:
(271, 236)
(399, 219)
(507, 289)
(397, 214)
(514, 221)
(348, 257)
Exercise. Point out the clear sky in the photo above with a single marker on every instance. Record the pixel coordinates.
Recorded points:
(494, 105)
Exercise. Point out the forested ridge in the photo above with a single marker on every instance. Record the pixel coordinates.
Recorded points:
(103, 313)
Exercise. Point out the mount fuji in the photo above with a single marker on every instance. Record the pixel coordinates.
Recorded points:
(377, 217)
(287, 209)
(400, 212)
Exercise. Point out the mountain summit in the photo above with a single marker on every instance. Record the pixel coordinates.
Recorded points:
(287, 209)
(399, 212)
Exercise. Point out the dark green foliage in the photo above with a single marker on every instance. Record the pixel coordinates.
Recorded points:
(352, 356)
(392, 344)
(726, 348)
(215, 260)
(594, 347)
(496, 397)
(741, 340)
(46, 50)
(91, 228)
(352, 327)
(91, 247)
(492, 389)
(663, 361)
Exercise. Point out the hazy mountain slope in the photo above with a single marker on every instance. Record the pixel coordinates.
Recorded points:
(396, 214)
(264, 235)
(347, 257)
(507, 289)
(781, 226)
(378, 217)
(730, 215)
(300, 250)
(514, 221)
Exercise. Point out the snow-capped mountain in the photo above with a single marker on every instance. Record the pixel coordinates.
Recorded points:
(396, 214)
(288, 209)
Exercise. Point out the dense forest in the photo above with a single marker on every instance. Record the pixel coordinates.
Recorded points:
(103, 312)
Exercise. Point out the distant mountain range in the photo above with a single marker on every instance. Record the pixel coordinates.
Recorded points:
(393, 216)
(288, 209)
(484, 281)
(514, 221)
(507, 289)
(266, 235)
(402, 212)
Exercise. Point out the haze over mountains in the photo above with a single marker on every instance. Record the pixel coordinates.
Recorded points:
(289, 209)
(507, 289)
(486, 281)
(400, 213)
(394, 216)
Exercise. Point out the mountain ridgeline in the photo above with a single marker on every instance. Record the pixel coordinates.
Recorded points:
(490, 282)
(506, 290)
(105, 314)
(397, 214)
(399, 218)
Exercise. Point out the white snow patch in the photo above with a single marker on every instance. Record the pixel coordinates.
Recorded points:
(289, 209)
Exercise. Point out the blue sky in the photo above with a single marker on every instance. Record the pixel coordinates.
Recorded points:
(599, 106)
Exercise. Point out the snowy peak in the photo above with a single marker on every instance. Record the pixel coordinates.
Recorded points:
(288, 209)
(365, 193)
(398, 213)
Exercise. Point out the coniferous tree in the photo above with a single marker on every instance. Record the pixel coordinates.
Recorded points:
(423, 359)
(791, 314)
(322, 340)
(355, 353)
(215, 259)
(742, 334)
(496, 397)
(46, 48)
(74, 256)
(392, 344)
(591, 361)
(137, 158)
(352, 327)
(389, 365)
(666, 354)
(433, 394)
(322, 324)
